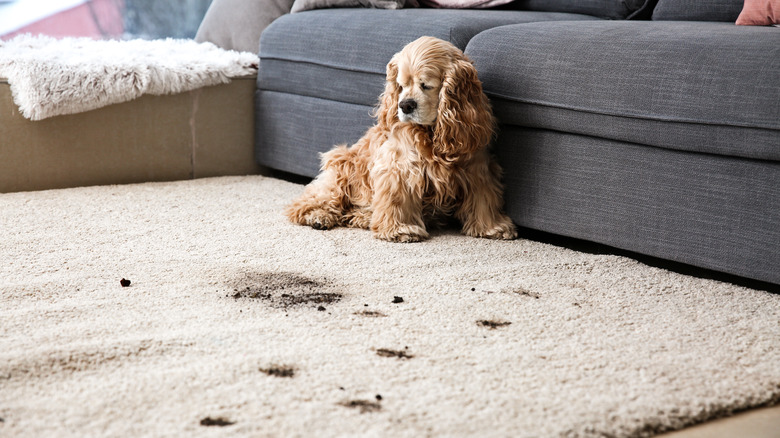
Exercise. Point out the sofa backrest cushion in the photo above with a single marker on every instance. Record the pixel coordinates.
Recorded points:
(697, 10)
(613, 9)
(695, 86)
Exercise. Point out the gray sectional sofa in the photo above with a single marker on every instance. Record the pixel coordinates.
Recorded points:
(648, 125)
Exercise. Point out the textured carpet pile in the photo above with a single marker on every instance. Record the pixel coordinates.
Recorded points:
(50, 77)
(238, 323)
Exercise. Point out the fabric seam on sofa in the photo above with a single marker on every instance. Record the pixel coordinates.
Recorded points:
(335, 67)
(647, 8)
(370, 108)
(324, 99)
(627, 115)
(635, 143)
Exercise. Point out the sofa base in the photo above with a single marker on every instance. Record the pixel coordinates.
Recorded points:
(708, 211)
(289, 141)
(705, 210)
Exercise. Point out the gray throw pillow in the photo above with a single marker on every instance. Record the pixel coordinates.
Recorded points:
(237, 24)
(697, 10)
(305, 5)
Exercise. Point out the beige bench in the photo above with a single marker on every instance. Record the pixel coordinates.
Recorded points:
(201, 133)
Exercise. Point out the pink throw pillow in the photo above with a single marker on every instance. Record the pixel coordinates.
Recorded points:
(760, 13)
(461, 4)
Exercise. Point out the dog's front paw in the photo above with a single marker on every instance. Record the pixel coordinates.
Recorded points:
(357, 218)
(402, 233)
(321, 220)
(504, 229)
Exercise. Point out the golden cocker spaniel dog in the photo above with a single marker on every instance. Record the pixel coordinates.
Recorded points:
(426, 157)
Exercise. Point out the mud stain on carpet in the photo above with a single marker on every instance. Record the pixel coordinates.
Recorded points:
(400, 354)
(371, 314)
(64, 361)
(279, 371)
(365, 406)
(285, 289)
(492, 324)
(526, 293)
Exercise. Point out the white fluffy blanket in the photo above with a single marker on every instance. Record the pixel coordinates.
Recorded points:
(50, 77)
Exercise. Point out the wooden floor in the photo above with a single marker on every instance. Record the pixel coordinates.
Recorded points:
(758, 423)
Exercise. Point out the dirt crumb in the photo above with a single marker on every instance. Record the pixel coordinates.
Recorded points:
(219, 421)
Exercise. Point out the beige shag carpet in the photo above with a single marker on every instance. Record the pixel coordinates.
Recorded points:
(238, 323)
(50, 77)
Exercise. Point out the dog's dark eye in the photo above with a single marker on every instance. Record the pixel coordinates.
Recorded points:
(425, 87)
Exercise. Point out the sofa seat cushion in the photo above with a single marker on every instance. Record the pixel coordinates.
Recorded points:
(341, 54)
(696, 86)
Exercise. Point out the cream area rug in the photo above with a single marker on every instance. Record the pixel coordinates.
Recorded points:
(234, 322)
(50, 77)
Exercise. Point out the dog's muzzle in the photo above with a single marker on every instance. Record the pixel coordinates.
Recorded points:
(410, 112)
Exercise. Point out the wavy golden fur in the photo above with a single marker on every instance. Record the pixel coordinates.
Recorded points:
(425, 158)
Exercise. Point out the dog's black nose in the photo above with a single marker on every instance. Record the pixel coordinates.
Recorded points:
(408, 106)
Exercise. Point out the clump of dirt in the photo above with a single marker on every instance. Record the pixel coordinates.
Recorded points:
(527, 293)
(492, 325)
(124, 282)
(400, 354)
(219, 421)
(397, 300)
(279, 371)
(371, 314)
(365, 406)
(285, 289)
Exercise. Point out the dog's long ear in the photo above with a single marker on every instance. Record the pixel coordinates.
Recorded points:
(465, 121)
(387, 111)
